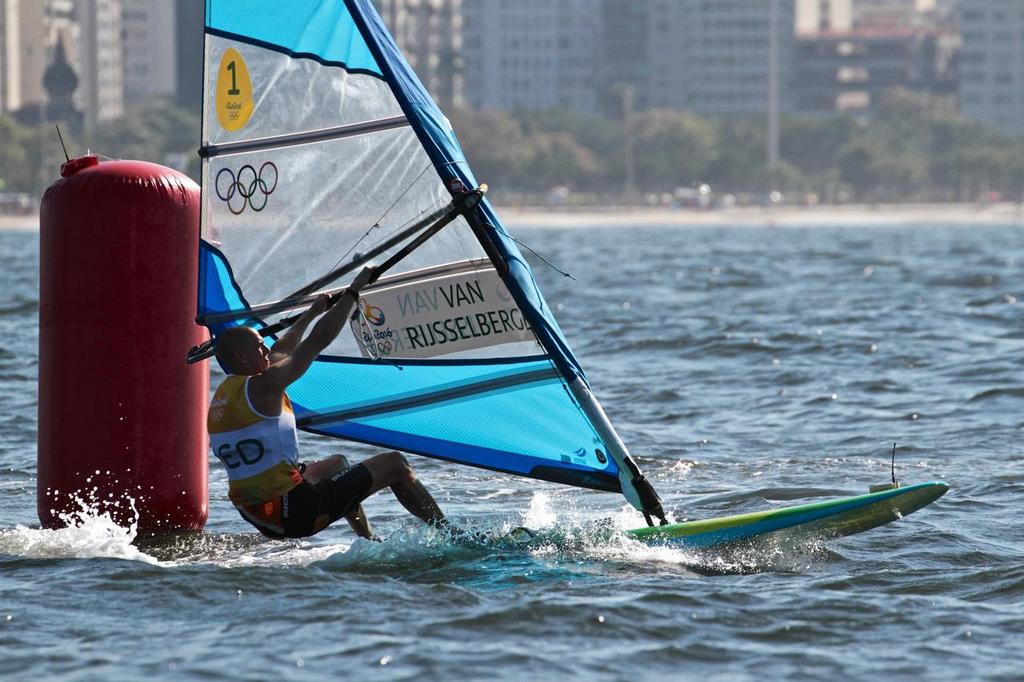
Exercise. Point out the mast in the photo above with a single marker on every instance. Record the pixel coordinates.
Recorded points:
(635, 487)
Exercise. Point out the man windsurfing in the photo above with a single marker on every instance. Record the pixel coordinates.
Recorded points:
(252, 431)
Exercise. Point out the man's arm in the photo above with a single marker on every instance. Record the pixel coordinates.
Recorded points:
(276, 378)
(286, 345)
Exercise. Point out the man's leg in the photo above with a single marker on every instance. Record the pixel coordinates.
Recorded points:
(317, 471)
(392, 470)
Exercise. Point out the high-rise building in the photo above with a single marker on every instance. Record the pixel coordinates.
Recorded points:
(189, 35)
(530, 54)
(9, 62)
(850, 71)
(429, 33)
(149, 46)
(721, 57)
(594, 55)
(101, 71)
(30, 31)
(621, 54)
(992, 63)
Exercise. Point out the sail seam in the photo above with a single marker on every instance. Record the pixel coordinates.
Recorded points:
(432, 398)
(305, 137)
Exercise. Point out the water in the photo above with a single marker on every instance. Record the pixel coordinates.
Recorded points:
(747, 367)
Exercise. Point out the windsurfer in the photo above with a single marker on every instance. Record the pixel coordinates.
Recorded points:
(252, 431)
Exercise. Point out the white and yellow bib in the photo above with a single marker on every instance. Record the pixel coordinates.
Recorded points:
(260, 452)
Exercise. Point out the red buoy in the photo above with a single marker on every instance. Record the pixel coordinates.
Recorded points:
(121, 415)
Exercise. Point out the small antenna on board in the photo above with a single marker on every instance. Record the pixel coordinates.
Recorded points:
(61, 138)
(888, 486)
(894, 484)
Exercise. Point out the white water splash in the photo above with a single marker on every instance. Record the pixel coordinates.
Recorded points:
(88, 534)
(289, 553)
(539, 514)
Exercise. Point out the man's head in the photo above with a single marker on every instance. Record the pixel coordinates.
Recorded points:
(240, 350)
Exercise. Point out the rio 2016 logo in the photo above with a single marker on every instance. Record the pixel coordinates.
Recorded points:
(373, 314)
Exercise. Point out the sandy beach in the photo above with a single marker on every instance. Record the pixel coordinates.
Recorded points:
(19, 222)
(1005, 213)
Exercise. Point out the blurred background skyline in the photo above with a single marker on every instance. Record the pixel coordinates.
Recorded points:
(589, 100)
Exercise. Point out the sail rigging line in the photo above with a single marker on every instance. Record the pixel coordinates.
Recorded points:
(377, 223)
(529, 248)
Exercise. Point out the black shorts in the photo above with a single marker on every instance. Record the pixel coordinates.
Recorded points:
(298, 509)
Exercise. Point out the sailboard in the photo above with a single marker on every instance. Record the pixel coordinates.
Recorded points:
(813, 521)
(321, 152)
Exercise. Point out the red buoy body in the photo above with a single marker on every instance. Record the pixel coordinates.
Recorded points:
(121, 415)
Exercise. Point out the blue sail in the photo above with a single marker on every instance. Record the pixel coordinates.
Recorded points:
(320, 144)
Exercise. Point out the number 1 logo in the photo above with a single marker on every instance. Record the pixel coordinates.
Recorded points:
(234, 91)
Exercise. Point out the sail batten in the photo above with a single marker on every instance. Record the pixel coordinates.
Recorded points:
(305, 137)
(320, 142)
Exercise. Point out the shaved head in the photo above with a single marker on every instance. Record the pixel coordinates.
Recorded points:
(236, 346)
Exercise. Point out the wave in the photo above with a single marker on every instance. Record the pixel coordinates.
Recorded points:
(995, 393)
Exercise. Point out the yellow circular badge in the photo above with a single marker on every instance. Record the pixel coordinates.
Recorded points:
(234, 91)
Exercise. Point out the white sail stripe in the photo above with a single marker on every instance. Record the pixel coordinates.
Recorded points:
(305, 137)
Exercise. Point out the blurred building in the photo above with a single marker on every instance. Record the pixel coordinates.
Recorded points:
(190, 33)
(30, 31)
(9, 58)
(620, 54)
(149, 46)
(588, 55)
(849, 71)
(992, 63)
(429, 33)
(813, 16)
(530, 54)
(63, 38)
(720, 57)
(99, 60)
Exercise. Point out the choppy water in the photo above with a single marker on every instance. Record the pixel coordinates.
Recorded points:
(748, 367)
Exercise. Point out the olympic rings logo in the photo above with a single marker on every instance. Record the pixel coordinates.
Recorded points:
(247, 188)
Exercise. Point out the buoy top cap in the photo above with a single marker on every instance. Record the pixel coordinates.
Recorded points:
(71, 167)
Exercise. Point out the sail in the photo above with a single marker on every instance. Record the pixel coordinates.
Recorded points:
(321, 147)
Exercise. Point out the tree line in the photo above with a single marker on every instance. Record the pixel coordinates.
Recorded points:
(911, 149)
(30, 156)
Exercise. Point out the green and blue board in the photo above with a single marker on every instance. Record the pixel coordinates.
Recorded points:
(816, 520)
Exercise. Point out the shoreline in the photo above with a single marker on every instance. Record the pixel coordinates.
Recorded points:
(20, 223)
(858, 215)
